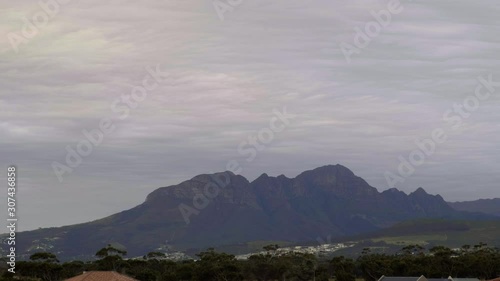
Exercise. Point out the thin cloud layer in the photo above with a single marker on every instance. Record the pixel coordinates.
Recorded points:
(225, 79)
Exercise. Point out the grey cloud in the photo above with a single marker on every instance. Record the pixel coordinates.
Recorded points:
(226, 78)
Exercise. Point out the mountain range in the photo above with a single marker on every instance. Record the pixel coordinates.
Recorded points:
(226, 209)
(487, 206)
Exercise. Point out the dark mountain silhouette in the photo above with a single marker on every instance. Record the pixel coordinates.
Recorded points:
(486, 206)
(226, 209)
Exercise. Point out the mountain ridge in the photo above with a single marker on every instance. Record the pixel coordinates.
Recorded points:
(225, 208)
(487, 206)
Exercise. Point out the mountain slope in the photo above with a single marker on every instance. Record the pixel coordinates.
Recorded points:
(225, 209)
(487, 206)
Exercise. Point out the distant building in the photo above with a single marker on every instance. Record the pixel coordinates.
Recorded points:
(394, 278)
(422, 278)
(462, 279)
(101, 276)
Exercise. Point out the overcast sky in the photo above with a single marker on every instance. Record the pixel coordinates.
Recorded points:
(226, 76)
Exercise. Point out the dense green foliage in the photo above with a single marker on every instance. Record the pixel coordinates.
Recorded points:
(477, 261)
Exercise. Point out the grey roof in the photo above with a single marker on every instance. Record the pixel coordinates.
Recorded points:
(385, 278)
(438, 279)
(463, 279)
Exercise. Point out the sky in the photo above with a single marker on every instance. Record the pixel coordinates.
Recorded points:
(354, 91)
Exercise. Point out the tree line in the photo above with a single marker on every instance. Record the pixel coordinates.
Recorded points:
(478, 261)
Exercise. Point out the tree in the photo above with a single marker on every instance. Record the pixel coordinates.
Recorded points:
(263, 267)
(154, 255)
(271, 248)
(485, 261)
(413, 249)
(217, 267)
(373, 266)
(73, 268)
(299, 266)
(111, 258)
(443, 263)
(44, 257)
(343, 269)
(44, 266)
(109, 251)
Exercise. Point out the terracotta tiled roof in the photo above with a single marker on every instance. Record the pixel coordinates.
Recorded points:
(101, 276)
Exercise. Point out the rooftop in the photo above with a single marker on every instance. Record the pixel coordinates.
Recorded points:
(101, 276)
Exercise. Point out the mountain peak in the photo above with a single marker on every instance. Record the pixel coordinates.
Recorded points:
(327, 170)
(263, 176)
(333, 168)
(394, 191)
(218, 177)
(188, 188)
(420, 191)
